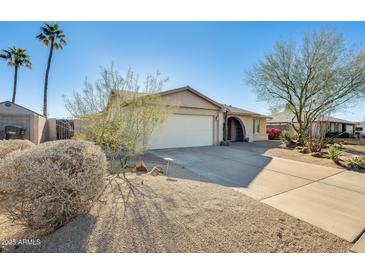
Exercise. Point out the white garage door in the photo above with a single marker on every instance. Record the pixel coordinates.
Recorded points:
(183, 131)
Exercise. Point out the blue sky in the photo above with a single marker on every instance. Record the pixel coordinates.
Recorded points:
(211, 57)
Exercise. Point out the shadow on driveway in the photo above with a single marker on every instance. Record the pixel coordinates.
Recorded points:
(234, 166)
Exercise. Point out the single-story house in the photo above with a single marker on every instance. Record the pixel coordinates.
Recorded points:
(199, 121)
(324, 124)
(15, 115)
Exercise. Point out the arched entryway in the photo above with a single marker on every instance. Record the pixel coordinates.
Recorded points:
(236, 130)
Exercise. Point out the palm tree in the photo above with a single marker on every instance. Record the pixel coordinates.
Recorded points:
(17, 58)
(54, 37)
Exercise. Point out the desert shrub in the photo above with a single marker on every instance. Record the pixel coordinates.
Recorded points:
(273, 133)
(287, 137)
(50, 184)
(316, 144)
(7, 146)
(355, 162)
(79, 137)
(333, 153)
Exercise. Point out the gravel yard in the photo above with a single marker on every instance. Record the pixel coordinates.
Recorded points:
(174, 215)
(275, 150)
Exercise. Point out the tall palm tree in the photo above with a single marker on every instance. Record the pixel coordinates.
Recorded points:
(17, 58)
(52, 36)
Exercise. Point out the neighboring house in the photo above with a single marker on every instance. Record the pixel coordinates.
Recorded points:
(16, 115)
(324, 124)
(198, 121)
(360, 129)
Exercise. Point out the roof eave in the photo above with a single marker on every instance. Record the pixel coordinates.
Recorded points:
(166, 92)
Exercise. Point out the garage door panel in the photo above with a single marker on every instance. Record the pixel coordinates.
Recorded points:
(183, 131)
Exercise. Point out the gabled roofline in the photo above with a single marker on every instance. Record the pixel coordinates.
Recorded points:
(222, 107)
(166, 92)
(23, 107)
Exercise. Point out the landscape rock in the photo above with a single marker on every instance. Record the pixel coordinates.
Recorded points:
(156, 170)
(140, 166)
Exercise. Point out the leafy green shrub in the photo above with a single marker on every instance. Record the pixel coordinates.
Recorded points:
(224, 143)
(355, 162)
(333, 153)
(287, 137)
(48, 185)
(7, 146)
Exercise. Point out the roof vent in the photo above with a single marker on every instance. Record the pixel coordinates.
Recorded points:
(8, 104)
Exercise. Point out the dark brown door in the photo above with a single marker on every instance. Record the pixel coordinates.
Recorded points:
(229, 129)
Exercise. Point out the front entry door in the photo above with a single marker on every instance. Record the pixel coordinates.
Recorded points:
(239, 132)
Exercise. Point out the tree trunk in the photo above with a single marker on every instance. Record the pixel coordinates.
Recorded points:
(15, 83)
(45, 93)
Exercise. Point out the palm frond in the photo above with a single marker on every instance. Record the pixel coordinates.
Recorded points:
(52, 34)
(17, 57)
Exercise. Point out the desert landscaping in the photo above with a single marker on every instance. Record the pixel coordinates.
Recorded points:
(140, 212)
(135, 167)
(145, 213)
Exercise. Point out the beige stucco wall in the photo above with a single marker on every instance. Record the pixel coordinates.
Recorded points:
(52, 131)
(247, 122)
(41, 129)
(36, 129)
(262, 136)
(220, 127)
(188, 99)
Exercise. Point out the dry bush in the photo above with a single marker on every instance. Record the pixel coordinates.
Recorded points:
(50, 184)
(7, 146)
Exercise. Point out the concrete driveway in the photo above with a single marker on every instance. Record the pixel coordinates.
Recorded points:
(330, 198)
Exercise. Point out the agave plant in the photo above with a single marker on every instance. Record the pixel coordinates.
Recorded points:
(333, 153)
(16, 58)
(355, 162)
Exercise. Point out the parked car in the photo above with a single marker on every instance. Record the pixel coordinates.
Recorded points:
(336, 134)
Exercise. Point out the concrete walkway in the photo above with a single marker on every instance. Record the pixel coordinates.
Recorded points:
(330, 198)
(359, 246)
(335, 203)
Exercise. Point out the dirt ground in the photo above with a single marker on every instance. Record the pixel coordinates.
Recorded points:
(163, 214)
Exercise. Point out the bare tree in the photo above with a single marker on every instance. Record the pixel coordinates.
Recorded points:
(316, 78)
(118, 114)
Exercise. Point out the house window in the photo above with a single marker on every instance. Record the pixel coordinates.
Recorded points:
(256, 126)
